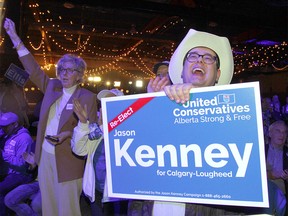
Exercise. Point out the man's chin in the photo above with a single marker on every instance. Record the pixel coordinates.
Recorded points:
(197, 84)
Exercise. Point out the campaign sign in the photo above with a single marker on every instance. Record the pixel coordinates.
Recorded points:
(209, 150)
(17, 75)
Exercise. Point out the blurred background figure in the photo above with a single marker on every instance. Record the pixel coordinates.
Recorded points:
(13, 99)
(276, 113)
(277, 156)
(25, 200)
(285, 110)
(14, 170)
(94, 180)
(162, 77)
(267, 110)
(161, 68)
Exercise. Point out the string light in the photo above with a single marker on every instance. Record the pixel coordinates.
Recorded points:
(256, 56)
(245, 56)
(2, 41)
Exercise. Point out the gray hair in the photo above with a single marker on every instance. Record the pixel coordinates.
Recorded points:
(278, 122)
(79, 63)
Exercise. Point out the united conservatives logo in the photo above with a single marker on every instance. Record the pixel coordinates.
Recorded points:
(219, 105)
(226, 98)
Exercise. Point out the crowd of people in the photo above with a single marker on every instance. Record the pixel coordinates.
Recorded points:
(48, 175)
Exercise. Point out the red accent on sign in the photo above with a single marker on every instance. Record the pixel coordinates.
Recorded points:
(138, 104)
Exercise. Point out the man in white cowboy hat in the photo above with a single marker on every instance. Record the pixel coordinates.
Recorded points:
(196, 63)
(201, 59)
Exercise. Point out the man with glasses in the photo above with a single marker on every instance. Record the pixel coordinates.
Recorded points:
(15, 141)
(60, 172)
(201, 60)
(277, 164)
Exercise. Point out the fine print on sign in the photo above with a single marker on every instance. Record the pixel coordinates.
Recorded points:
(209, 150)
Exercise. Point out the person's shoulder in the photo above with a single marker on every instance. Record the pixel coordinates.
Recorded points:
(23, 136)
(24, 132)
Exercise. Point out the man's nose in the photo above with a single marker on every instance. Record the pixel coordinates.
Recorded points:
(200, 58)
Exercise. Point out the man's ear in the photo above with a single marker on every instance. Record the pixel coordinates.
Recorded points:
(218, 75)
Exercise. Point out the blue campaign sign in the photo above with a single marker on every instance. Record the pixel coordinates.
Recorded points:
(209, 150)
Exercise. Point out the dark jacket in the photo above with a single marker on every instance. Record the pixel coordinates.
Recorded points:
(285, 163)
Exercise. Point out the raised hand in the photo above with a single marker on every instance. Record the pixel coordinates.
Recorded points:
(10, 29)
(157, 84)
(80, 111)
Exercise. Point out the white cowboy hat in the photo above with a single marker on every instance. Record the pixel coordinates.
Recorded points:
(219, 45)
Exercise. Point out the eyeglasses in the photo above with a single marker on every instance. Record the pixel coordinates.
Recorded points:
(69, 71)
(207, 58)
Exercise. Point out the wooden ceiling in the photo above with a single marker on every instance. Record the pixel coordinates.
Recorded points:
(123, 39)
